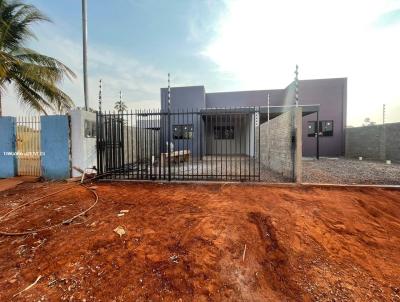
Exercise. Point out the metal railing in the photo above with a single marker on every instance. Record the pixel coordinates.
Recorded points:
(203, 144)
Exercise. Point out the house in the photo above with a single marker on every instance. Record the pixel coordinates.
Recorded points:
(222, 116)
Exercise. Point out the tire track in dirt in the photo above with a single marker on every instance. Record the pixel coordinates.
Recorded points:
(275, 262)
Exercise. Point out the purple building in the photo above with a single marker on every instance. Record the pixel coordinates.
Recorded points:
(328, 96)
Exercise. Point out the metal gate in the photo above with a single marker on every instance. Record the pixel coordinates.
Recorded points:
(28, 145)
(204, 144)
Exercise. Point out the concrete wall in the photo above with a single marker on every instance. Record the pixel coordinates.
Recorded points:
(149, 144)
(83, 149)
(392, 141)
(54, 143)
(277, 152)
(8, 163)
(378, 142)
(130, 150)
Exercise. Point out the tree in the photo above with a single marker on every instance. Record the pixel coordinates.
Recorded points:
(368, 122)
(34, 76)
(120, 106)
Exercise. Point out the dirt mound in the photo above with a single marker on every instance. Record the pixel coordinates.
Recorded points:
(204, 243)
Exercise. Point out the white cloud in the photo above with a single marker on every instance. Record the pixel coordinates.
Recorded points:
(257, 44)
(260, 42)
(140, 82)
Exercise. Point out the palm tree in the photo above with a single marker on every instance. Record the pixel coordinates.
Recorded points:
(120, 106)
(34, 76)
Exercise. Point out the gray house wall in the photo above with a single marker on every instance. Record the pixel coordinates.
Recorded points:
(244, 98)
(330, 94)
(184, 99)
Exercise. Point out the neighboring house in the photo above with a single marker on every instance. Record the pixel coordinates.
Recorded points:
(329, 94)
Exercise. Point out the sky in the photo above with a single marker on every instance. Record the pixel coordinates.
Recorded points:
(225, 46)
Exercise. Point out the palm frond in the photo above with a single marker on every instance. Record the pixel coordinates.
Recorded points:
(42, 82)
(30, 56)
(35, 76)
(16, 20)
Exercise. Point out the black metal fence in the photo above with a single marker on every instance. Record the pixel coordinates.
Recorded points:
(206, 144)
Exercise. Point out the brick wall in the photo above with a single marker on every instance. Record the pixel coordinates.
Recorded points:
(378, 142)
(276, 149)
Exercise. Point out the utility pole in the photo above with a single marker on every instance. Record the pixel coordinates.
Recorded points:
(100, 88)
(84, 29)
(383, 114)
(296, 85)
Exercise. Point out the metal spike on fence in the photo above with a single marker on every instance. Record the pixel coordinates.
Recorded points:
(120, 101)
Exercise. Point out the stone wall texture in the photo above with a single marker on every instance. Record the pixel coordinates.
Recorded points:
(378, 142)
(277, 151)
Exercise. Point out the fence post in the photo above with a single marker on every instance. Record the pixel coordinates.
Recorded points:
(299, 145)
(8, 162)
(55, 142)
(83, 140)
(169, 144)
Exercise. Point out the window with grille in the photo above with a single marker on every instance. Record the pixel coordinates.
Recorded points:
(183, 131)
(325, 128)
(90, 128)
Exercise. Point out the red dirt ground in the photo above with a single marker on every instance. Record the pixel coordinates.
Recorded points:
(186, 243)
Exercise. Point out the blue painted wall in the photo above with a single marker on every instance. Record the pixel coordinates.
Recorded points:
(8, 163)
(54, 143)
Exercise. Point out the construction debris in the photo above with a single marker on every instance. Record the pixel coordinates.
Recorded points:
(29, 287)
(120, 231)
(174, 258)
